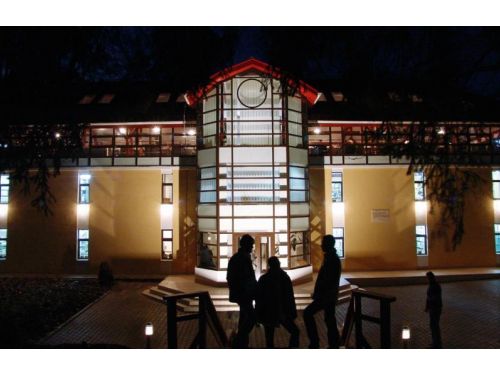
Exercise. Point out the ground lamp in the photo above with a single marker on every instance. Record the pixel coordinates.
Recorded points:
(148, 331)
(405, 335)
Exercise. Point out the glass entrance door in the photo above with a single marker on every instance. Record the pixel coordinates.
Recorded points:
(261, 250)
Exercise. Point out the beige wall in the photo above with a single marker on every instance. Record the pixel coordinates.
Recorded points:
(372, 245)
(124, 224)
(477, 246)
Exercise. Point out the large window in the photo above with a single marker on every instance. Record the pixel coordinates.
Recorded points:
(83, 244)
(299, 189)
(167, 252)
(3, 244)
(419, 184)
(338, 234)
(4, 188)
(421, 239)
(337, 187)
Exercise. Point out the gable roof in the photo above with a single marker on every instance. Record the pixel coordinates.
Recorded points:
(309, 93)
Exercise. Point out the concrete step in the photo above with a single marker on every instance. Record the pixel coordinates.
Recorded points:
(221, 301)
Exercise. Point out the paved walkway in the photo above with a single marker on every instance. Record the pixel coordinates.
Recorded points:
(471, 318)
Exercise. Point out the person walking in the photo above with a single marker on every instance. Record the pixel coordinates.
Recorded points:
(434, 306)
(242, 287)
(325, 296)
(275, 303)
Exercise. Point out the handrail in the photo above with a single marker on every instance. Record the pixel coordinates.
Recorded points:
(207, 316)
(355, 317)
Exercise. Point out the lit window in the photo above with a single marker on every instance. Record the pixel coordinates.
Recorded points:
(4, 188)
(419, 183)
(84, 189)
(495, 176)
(167, 194)
(83, 244)
(421, 239)
(167, 252)
(337, 187)
(497, 238)
(338, 234)
(3, 244)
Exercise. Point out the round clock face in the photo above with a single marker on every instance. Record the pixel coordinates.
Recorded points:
(252, 93)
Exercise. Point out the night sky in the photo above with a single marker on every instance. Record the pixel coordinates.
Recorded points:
(413, 59)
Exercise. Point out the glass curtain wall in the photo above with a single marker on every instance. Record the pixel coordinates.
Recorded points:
(248, 182)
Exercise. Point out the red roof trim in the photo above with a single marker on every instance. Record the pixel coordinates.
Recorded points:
(308, 92)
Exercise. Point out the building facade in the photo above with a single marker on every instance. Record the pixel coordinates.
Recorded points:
(169, 195)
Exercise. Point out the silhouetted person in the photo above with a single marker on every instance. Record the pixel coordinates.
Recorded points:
(206, 257)
(275, 303)
(433, 306)
(325, 296)
(242, 287)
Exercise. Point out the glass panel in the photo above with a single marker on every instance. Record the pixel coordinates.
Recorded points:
(167, 193)
(419, 191)
(167, 252)
(223, 262)
(84, 179)
(336, 177)
(298, 196)
(419, 176)
(297, 172)
(421, 248)
(207, 185)
(297, 184)
(3, 249)
(339, 246)
(4, 179)
(497, 228)
(497, 243)
(83, 249)
(495, 175)
(83, 234)
(496, 190)
(207, 173)
(84, 194)
(208, 196)
(336, 192)
(3, 233)
(420, 230)
(166, 234)
(4, 194)
(338, 232)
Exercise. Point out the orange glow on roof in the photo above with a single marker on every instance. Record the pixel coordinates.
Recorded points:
(308, 92)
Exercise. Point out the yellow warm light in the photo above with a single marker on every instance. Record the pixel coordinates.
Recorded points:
(4, 209)
(496, 205)
(421, 207)
(405, 333)
(82, 209)
(166, 209)
(337, 208)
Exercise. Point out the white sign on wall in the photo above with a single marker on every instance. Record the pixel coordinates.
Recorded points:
(380, 215)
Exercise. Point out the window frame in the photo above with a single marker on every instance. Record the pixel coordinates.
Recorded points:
(496, 232)
(424, 236)
(79, 241)
(495, 181)
(339, 183)
(81, 186)
(419, 183)
(165, 239)
(341, 238)
(4, 238)
(164, 199)
(6, 187)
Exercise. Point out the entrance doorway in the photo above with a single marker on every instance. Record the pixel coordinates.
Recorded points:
(261, 250)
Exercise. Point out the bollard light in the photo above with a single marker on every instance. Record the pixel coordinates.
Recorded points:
(405, 333)
(148, 329)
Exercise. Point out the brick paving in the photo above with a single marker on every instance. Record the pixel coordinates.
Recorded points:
(471, 319)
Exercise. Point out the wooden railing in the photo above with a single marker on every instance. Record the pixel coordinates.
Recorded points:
(354, 318)
(206, 315)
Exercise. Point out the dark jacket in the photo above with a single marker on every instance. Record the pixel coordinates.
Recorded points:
(434, 302)
(275, 300)
(327, 283)
(241, 277)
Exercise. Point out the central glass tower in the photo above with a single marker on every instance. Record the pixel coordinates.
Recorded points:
(253, 175)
